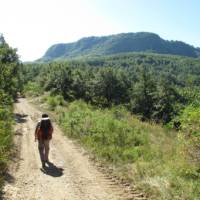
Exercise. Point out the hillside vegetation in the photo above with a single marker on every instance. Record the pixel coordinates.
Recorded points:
(158, 161)
(138, 113)
(120, 43)
(9, 85)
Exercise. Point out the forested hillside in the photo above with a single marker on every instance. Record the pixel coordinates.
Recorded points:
(139, 112)
(136, 112)
(120, 43)
(149, 85)
(9, 86)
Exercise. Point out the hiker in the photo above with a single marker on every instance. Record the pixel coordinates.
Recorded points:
(43, 133)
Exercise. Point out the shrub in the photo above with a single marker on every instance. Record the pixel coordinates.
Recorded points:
(33, 89)
(5, 139)
(54, 101)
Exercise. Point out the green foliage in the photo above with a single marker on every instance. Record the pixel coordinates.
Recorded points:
(191, 95)
(159, 88)
(5, 137)
(33, 89)
(29, 73)
(168, 98)
(120, 43)
(112, 86)
(108, 137)
(150, 85)
(54, 101)
(59, 80)
(190, 125)
(9, 68)
(10, 84)
(190, 120)
(153, 158)
(144, 94)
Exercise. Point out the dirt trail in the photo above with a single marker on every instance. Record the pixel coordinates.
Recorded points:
(71, 176)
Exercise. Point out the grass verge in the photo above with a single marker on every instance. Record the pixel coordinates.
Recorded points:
(6, 133)
(153, 158)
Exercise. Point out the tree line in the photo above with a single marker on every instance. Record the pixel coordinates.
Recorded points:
(148, 85)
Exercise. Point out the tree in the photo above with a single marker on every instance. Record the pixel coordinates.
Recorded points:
(165, 107)
(112, 85)
(59, 80)
(9, 69)
(143, 95)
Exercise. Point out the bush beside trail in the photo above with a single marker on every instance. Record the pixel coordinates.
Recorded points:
(153, 158)
(10, 84)
(91, 98)
(6, 133)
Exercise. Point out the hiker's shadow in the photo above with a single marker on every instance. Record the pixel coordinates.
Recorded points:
(51, 170)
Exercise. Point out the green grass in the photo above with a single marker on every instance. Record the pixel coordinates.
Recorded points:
(107, 136)
(5, 139)
(154, 158)
(32, 89)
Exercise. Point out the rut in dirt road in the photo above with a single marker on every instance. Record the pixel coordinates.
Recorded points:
(71, 176)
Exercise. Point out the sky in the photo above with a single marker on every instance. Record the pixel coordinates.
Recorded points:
(32, 26)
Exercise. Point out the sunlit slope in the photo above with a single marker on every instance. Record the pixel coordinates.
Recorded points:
(120, 43)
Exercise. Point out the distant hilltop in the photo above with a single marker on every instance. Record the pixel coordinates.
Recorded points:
(119, 43)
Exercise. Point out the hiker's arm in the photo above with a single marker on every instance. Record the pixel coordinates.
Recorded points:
(36, 131)
(51, 130)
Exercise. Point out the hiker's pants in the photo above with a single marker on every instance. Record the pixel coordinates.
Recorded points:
(43, 146)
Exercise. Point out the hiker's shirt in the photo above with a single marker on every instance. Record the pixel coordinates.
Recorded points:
(40, 135)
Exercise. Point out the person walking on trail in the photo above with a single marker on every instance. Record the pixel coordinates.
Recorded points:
(43, 133)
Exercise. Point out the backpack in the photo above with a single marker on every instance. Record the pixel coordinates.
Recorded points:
(43, 134)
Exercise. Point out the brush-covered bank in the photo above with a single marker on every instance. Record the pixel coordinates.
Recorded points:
(157, 160)
(10, 84)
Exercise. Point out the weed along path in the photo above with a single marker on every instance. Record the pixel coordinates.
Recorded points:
(71, 176)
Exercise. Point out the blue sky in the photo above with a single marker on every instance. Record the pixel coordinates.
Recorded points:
(34, 25)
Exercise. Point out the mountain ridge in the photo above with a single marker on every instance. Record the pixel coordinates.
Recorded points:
(119, 43)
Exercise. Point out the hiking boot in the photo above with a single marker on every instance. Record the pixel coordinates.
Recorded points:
(43, 164)
(48, 163)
